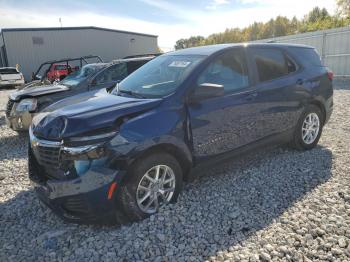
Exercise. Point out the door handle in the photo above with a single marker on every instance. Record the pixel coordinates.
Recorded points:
(251, 96)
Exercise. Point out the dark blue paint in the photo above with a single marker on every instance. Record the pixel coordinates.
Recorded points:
(195, 130)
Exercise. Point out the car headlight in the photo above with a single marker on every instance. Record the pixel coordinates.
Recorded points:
(90, 141)
(87, 151)
(86, 147)
(27, 105)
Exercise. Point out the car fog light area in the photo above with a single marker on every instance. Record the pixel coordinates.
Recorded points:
(82, 166)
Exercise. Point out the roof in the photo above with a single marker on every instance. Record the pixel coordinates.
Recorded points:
(211, 49)
(72, 28)
(141, 58)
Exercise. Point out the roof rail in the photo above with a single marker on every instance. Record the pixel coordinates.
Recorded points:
(142, 55)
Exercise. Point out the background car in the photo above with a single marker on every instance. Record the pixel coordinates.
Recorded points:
(130, 151)
(24, 104)
(10, 76)
(58, 72)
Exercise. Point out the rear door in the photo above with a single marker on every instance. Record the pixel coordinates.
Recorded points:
(224, 123)
(277, 89)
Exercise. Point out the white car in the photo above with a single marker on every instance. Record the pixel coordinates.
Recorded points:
(10, 76)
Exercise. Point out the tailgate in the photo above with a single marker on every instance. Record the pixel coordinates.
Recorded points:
(10, 76)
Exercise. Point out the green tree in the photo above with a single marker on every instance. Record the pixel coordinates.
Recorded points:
(281, 26)
(317, 14)
(344, 8)
(316, 19)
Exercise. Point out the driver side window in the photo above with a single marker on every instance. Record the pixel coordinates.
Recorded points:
(228, 70)
(113, 74)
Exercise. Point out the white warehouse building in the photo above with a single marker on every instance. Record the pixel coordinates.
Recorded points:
(30, 47)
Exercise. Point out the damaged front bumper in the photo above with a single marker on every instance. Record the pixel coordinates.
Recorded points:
(18, 121)
(88, 198)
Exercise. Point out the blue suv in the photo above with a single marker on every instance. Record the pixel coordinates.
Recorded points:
(102, 157)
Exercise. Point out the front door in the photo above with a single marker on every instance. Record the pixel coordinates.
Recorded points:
(221, 124)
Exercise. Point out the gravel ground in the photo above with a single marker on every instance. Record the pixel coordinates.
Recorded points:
(276, 204)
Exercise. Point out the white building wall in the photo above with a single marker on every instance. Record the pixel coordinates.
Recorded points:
(57, 44)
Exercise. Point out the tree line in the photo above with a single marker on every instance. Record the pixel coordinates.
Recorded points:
(316, 19)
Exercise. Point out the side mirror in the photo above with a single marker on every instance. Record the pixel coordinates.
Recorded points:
(37, 77)
(207, 90)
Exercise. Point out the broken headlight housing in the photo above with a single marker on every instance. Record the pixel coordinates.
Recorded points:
(87, 151)
(27, 105)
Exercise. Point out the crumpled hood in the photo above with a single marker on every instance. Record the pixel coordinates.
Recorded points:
(86, 113)
(35, 91)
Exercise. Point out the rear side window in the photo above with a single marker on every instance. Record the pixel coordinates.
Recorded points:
(112, 74)
(9, 71)
(272, 63)
(228, 69)
(308, 56)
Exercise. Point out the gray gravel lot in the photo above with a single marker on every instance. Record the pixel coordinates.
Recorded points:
(274, 204)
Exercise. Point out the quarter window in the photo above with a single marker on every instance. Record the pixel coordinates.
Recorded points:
(228, 69)
(272, 63)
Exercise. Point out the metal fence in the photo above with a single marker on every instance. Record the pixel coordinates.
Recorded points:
(333, 45)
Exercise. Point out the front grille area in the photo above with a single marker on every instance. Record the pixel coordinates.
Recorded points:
(48, 157)
(9, 106)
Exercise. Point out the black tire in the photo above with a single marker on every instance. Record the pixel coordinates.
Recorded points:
(126, 199)
(298, 142)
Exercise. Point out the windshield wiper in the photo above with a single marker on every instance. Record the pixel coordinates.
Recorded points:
(131, 93)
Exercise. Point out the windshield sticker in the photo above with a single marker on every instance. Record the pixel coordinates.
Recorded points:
(179, 64)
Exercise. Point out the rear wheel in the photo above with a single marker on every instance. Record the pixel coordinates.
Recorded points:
(309, 129)
(152, 182)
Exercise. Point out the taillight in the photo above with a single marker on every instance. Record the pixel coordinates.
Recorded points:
(330, 75)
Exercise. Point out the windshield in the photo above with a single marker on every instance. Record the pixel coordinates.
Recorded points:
(8, 71)
(159, 77)
(61, 67)
(79, 76)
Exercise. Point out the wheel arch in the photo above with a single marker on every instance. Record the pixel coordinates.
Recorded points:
(321, 107)
(184, 158)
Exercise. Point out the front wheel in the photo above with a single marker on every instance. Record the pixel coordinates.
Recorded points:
(152, 182)
(309, 129)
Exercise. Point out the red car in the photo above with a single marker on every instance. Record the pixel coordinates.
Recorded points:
(59, 71)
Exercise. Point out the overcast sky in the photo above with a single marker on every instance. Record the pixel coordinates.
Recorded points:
(170, 20)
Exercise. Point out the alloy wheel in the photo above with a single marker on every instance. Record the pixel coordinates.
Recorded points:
(310, 128)
(155, 189)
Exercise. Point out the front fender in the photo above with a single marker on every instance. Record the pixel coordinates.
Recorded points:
(156, 129)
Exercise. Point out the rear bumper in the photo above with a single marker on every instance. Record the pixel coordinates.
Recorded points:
(4, 83)
(80, 200)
